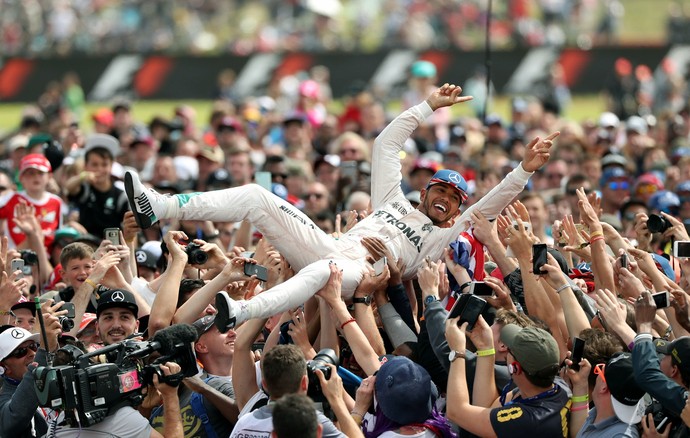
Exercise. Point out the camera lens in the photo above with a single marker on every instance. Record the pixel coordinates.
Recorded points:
(657, 223)
(67, 324)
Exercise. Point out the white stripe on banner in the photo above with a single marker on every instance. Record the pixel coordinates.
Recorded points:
(393, 70)
(535, 66)
(117, 78)
(256, 72)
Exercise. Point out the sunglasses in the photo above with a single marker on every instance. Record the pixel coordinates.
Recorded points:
(23, 351)
(314, 195)
(599, 371)
(620, 185)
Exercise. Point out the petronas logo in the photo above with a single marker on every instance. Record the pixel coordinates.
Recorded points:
(184, 198)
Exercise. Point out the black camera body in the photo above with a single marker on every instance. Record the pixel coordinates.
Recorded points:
(321, 361)
(66, 323)
(657, 223)
(87, 392)
(195, 255)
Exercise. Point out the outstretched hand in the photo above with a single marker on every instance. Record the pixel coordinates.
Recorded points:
(537, 152)
(446, 95)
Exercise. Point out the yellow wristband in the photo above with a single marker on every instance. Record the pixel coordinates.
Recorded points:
(579, 398)
(488, 352)
(91, 283)
(595, 234)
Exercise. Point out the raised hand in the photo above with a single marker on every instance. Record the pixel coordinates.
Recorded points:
(537, 152)
(446, 95)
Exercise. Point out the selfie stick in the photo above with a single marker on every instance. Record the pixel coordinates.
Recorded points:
(44, 335)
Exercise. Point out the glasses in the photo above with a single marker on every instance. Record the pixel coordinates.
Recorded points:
(314, 195)
(555, 175)
(599, 371)
(646, 189)
(618, 185)
(349, 151)
(280, 175)
(23, 351)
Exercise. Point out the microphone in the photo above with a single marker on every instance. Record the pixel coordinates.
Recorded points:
(167, 340)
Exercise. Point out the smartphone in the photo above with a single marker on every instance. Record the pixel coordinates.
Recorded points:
(69, 307)
(538, 258)
(253, 269)
(578, 350)
(468, 308)
(112, 234)
(349, 170)
(264, 179)
(662, 424)
(379, 265)
(661, 300)
(681, 249)
(17, 265)
(624, 260)
(481, 288)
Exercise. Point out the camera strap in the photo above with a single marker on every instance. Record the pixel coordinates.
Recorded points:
(197, 404)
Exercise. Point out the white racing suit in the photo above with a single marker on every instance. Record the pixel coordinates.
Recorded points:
(408, 233)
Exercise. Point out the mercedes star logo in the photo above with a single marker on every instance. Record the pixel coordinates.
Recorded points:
(17, 334)
(455, 177)
(117, 296)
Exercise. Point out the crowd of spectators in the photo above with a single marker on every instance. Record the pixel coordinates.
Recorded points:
(39, 27)
(609, 197)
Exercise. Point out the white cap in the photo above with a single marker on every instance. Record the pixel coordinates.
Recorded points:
(12, 338)
(154, 247)
(608, 120)
(18, 141)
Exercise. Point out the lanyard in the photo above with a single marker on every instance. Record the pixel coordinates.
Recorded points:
(541, 395)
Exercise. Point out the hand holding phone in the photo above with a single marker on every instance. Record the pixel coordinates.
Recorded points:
(661, 300)
(624, 260)
(481, 288)
(379, 265)
(578, 351)
(469, 308)
(17, 265)
(253, 269)
(113, 235)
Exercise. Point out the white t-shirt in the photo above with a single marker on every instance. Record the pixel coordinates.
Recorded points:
(125, 422)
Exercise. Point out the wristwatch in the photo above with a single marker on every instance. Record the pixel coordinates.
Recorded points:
(366, 300)
(430, 299)
(455, 355)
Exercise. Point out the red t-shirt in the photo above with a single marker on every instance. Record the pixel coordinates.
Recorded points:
(48, 212)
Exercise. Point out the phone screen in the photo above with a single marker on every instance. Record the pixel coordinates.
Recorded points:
(468, 308)
(624, 260)
(681, 249)
(538, 258)
(379, 266)
(661, 300)
(578, 350)
(481, 288)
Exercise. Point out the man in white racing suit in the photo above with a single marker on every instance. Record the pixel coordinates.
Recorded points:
(410, 234)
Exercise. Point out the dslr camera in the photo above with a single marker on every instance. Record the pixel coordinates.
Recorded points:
(195, 255)
(657, 223)
(321, 361)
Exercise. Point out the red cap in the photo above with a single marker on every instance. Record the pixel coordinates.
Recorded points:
(35, 161)
(87, 319)
(104, 116)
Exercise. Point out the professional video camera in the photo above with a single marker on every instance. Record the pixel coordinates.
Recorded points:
(87, 392)
(320, 362)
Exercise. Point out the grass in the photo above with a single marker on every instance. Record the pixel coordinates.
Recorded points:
(582, 107)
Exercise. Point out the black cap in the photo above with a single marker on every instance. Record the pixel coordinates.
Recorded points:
(204, 324)
(117, 298)
(146, 259)
(679, 350)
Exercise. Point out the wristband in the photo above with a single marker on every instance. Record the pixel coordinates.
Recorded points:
(580, 398)
(595, 234)
(487, 352)
(463, 286)
(91, 283)
(631, 346)
(579, 408)
(596, 239)
(342, 326)
(565, 286)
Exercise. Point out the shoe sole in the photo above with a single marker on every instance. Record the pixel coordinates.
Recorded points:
(142, 220)
(223, 320)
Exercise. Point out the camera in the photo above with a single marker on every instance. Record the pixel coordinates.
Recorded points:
(195, 254)
(657, 223)
(30, 257)
(87, 392)
(66, 323)
(321, 361)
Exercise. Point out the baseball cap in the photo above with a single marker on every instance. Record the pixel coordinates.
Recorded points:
(279, 190)
(649, 179)
(636, 124)
(117, 298)
(534, 348)
(212, 153)
(611, 173)
(35, 161)
(425, 164)
(230, 122)
(404, 391)
(204, 324)
(614, 159)
(12, 338)
(145, 258)
(153, 247)
(664, 266)
(24, 303)
(608, 120)
(310, 88)
(493, 119)
(142, 139)
(452, 178)
(17, 142)
(295, 116)
(423, 69)
(102, 141)
(679, 350)
(664, 200)
(87, 319)
(103, 116)
(683, 186)
(626, 396)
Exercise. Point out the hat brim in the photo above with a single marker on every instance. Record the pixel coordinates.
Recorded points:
(629, 414)
(123, 305)
(36, 337)
(26, 305)
(508, 335)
